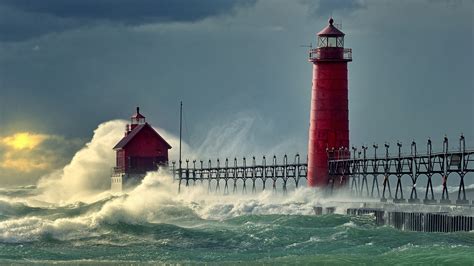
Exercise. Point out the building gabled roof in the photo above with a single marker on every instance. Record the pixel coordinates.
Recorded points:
(123, 142)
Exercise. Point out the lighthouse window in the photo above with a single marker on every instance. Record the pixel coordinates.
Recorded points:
(340, 41)
(331, 41)
(322, 41)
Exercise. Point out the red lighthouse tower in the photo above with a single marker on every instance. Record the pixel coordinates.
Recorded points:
(329, 120)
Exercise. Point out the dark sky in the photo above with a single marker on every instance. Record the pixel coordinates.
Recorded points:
(66, 66)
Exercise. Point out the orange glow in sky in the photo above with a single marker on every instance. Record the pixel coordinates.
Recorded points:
(24, 140)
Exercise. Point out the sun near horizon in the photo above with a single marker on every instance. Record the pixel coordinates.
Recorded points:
(24, 140)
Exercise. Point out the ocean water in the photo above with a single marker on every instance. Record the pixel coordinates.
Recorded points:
(154, 224)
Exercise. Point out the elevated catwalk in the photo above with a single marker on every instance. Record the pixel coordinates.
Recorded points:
(243, 174)
(413, 170)
(435, 213)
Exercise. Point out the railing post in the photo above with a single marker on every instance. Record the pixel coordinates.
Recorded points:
(202, 172)
(297, 162)
(285, 174)
(353, 175)
(173, 169)
(347, 157)
(226, 176)
(414, 173)
(194, 172)
(244, 187)
(462, 189)
(264, 176)
(187, 172)
(462, 144)
(180, 170)
(429, 185)
(386, 180)
(413, 148)
(218, 178)
(209, 163)
(399, 175)
(274, 173)
(445, 195)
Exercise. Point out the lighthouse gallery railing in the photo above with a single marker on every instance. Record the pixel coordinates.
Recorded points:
(342, 53)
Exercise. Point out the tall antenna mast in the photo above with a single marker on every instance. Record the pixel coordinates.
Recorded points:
(180, 129)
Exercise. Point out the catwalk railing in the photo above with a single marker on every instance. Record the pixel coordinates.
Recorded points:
(355, 169)
(347, 170)
(231, 173)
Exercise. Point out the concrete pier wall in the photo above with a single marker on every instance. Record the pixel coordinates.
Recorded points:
(405, 216)
(418, 221)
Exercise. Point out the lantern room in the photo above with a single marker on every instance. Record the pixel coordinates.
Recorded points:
(330, 36)
(330, 45)
(137, 119)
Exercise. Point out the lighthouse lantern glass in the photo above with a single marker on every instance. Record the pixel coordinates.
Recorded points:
(322, 41)
(340, 42)
(331, 41)
(138, 121)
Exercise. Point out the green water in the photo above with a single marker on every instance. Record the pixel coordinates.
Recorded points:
(256, 230)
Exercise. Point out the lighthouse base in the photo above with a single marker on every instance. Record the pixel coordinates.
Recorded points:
(123, 181)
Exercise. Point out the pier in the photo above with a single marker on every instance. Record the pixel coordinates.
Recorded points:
(415, 169)
(243, 174)
(367, 179)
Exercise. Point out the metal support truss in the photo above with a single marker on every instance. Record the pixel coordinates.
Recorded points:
(414, 166)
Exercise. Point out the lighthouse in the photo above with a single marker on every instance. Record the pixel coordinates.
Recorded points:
(329, 118)
(141, 150)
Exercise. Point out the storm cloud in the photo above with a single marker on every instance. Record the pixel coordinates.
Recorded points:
(328, 8)
(24, 19)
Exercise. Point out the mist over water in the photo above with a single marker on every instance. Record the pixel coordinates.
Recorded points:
(71, 216)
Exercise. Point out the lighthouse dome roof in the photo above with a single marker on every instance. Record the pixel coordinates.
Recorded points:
(137, 114)
(330, 30)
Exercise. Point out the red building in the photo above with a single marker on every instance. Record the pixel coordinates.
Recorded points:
(329, 119)
(141, 150)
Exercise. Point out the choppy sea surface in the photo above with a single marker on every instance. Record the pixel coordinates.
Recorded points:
(155, 224)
